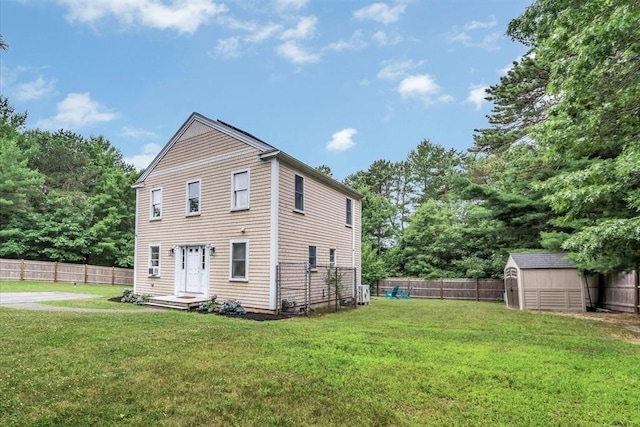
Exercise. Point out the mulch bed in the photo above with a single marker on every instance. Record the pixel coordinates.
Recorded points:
(259, 317)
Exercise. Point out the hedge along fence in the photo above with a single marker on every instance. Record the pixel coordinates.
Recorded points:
(46, 271)
(458, 289)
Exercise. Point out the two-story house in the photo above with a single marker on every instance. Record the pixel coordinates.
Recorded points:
(218, 209)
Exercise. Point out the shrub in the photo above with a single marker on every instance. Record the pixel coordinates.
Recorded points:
(209, 306)
(232, 307)
(130, 297)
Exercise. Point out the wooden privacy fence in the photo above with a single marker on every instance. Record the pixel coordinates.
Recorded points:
(458, 289)
(46, 271)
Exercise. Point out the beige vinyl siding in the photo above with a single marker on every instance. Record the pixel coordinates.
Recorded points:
(552, 289)
(211, 158)
(322, 224)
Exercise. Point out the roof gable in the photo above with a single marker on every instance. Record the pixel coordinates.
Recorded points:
(542, 260)
(197, 124)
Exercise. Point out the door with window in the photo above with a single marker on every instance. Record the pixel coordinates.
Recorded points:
(193, 270)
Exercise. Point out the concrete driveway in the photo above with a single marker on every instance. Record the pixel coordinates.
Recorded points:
(31, 300)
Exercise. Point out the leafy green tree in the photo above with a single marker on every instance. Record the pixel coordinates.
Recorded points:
(593, 55)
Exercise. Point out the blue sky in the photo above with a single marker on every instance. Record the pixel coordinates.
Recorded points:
(341, 83)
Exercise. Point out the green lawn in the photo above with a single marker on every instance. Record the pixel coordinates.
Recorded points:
(105, 292)
(396, 362)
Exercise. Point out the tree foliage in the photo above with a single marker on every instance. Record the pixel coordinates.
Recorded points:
(63, 197)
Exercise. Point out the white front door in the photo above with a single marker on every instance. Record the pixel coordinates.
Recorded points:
(193, 270)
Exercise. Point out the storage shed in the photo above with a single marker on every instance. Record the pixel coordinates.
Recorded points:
(543, 281)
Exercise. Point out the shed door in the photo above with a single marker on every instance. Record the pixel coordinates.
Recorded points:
(511, 287)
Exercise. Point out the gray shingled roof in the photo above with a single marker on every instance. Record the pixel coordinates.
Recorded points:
(542, 260)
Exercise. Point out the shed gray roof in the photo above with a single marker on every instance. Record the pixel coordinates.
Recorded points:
(542, 260)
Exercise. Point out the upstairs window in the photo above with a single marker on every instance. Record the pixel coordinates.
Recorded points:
(240, 190)
(193, 198)
(312, 257)
(156, 203)
(332, 257)
(299, 193)
(349, 212)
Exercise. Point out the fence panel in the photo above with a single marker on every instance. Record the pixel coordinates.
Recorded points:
(46, 271)
(71, 273)
(38, 271)
(620, 292)
(458, 289)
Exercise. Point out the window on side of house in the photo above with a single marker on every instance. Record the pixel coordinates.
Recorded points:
(313, 260)
(193, 197)
(349, 212)
(154, 260)
(332, 257)
(240, 190)
(156, 203)
(299, 193)
(239, 260)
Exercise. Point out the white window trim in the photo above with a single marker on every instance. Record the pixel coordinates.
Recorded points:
(151, 217)
(187, 213)
(295, 208)
(333, 263)
(246, 261)
(149, 265)
(233, 190)
(347, 223)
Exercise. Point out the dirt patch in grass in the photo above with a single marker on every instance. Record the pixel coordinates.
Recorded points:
(628, 323)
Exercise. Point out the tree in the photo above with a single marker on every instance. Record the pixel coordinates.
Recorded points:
(325, 170)
(593, 55)
(3, 45)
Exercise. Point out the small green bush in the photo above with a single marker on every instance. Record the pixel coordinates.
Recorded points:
(209, 306)
(232, 307)
(130, 297)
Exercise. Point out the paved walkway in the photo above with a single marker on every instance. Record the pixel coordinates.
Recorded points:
(31, 301)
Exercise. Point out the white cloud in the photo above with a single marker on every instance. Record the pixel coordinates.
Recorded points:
(34, 89)
(423, 87)
(138, 133)
(394, 70)
(380, 12)
(228, 48)
(184, 16)
(305, 29)
(144, 159)
(466, 34)
(354, 43)
(476, 95)
(284, 5)
(296, 53)
(342, 140)
(77, 110)
(263, 33)
(383, 39)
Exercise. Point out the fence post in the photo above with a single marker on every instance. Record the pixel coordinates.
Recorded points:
(441, 288)
(636, 293)
(377, 287)
(113, 275)
(55, 272)
(477, 289)
(86, 274)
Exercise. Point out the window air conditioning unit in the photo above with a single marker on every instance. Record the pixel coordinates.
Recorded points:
(153, 271)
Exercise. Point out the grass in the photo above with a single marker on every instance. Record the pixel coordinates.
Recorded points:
(407, 362)
(104, 291)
